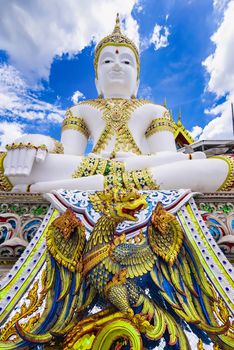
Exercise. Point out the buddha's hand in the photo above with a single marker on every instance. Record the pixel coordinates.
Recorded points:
(24, 152)
(197, 155)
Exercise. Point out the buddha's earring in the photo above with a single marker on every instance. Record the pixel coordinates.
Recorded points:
(133, 97)
(100, 96)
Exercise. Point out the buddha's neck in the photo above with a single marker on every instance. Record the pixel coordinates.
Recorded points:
(119, 95)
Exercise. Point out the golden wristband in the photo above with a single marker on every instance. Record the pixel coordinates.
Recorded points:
(22, 145)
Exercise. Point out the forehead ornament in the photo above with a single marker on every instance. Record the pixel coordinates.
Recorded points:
(116, 39)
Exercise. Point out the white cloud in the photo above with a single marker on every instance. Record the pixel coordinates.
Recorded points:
(139, 8)
(131, 30)
(77, 96)
(220, 68)
(18, 102)
(219, 128)
(56, 117)
(220, 64)
(9, 132)
(34, 32)
(219, 5)
(145, 92)
(159, 37)
(195, 132)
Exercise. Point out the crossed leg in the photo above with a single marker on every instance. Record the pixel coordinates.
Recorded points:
(203, 175)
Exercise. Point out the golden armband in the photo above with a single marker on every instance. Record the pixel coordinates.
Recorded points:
(5, 184)
(75, 123)
(228, 183)
(160, 124)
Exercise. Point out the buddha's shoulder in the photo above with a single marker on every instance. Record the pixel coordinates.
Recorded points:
(134, 103)
(82, 105)
(159, 111)
(74, 110)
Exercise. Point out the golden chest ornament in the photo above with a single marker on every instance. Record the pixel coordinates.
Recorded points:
(116, 112)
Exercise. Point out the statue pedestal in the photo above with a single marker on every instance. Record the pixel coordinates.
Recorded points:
(24, 216)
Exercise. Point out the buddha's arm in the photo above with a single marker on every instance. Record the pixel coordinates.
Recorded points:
(74, 132)
(160, 138)
(159, 133)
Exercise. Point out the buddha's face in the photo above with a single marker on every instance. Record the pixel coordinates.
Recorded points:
(117, 72)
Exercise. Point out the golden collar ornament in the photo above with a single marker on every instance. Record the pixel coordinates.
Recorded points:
(116, 113)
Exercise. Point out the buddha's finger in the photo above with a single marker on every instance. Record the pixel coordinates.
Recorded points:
(41, 155)
(29, 160)
(14, 162)
(198, 155)
(21, 161)
(7, 163)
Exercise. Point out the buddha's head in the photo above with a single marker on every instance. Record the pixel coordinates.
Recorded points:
(117, 65)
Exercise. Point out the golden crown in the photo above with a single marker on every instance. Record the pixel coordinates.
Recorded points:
(116, 39)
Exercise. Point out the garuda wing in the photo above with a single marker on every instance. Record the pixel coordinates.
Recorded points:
(65, 289)
(176, 275)
(180, 279)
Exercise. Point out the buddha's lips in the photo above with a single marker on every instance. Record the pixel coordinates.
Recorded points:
(132, 212)
(116, 75)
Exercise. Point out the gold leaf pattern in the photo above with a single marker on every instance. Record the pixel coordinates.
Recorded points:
(34, 303)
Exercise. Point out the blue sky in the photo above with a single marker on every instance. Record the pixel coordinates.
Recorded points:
(46, 60)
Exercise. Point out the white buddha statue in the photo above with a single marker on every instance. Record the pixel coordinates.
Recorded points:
(133, 140)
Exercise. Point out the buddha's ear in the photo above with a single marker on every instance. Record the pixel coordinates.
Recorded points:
(98, 87)
(137, 86)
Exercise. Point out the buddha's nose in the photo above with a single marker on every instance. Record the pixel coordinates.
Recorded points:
(116, 67)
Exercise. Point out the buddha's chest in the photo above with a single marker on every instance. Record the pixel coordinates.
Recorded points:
(117, 125)
(115, 115)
